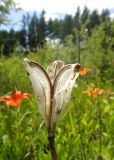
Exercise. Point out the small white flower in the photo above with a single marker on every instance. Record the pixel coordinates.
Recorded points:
(52, 87)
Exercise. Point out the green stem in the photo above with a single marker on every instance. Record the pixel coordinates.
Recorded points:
(80, 131)
(100, 130)
(52, 145)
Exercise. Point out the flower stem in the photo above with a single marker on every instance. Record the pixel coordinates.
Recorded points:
(100, 130)
(52, 145)
(80, 130)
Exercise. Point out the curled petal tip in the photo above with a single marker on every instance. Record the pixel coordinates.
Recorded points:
(78, 66)
(26, 60)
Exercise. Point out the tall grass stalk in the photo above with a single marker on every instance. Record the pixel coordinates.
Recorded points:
(100, 129)
(80, 130)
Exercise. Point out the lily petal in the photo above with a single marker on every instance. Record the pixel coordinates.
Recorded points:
(63, 85)
(42, 88)
(54, 68)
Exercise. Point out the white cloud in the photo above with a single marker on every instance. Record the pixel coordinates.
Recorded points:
(52, 7)
(53, 16)
(100, 4)
(112, 16)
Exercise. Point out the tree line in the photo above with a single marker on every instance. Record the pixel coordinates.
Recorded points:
(35, 29)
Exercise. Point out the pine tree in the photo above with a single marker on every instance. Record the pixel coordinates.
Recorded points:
(33, 33)
(67, 26)
(23, 34)
(41, 29)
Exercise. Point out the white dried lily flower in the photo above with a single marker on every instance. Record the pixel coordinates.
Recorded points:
(52, 87)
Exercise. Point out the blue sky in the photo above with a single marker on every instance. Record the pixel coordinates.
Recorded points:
(55, 9)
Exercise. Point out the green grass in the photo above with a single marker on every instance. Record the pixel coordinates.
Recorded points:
(23, 135)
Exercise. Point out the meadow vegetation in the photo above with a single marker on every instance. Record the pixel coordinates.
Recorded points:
(84, 132)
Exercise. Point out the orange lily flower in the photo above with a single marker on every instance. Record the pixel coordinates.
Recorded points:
(15, 99)
(95, 92)
(84, 71)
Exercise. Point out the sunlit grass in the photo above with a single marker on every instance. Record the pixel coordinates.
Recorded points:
(23, 134)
